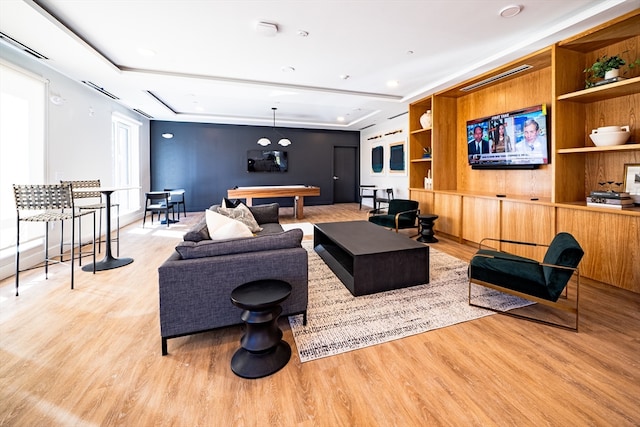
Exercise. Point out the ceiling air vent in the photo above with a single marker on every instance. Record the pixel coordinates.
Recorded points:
(142, 113)
(398, 115)
(17, 45)
(99, 89)
(367, 127)
(497, 77)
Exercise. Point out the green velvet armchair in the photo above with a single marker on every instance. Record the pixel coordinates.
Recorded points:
(541, 282)
(400, 214)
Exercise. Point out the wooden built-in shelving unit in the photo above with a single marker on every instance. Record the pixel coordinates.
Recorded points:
(542, 202)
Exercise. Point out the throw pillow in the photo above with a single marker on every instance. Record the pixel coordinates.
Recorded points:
(232, 230)
(243, 214)
(226, 203)
(215, 220)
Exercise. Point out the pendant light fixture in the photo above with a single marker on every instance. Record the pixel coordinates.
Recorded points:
(264, 141)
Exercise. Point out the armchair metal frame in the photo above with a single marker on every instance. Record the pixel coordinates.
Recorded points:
(562, 303)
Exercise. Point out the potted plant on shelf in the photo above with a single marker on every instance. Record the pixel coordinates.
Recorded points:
(606, 69)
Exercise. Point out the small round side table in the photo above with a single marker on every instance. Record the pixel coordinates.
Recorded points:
(263, 351)
(426, 228)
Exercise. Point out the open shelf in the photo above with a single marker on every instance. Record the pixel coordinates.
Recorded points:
(418, 131)
(608, 91)
(625, 147)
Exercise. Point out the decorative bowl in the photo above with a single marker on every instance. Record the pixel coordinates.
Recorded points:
(612, 128)
(605, 139)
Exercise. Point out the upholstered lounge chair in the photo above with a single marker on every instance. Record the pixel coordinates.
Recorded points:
(400, 214)
(542, 282)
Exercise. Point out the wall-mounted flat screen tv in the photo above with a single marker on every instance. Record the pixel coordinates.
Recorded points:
(267, 161)
(516, 139)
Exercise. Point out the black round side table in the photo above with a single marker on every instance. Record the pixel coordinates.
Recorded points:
(263, 351)
(426, 228)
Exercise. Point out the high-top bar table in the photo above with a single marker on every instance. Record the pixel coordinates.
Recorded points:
(271, 191)
(109, 261)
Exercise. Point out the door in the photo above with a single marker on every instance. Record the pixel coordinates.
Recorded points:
(345, 168)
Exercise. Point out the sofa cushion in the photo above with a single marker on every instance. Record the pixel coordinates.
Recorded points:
(243, 214)
(270, 228)
(209, 248)
(266, 214)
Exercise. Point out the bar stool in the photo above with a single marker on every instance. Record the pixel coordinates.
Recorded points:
(78, 189)
(56, 201)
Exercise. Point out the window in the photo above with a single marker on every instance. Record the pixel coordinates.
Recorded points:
(22, 147)
(126, 154)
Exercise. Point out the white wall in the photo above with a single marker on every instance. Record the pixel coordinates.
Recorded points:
(78, 143)
(399, 182)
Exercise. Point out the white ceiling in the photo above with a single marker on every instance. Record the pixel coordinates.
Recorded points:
(211, 65)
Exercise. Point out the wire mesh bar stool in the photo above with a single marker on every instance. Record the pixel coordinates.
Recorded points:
(51, 203)
(82, 189)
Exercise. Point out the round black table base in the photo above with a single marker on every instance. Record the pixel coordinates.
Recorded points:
(426, 229)
(423, 239)
(252, 365)
(108, 264)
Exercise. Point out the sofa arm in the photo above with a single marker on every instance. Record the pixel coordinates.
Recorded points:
(195, 293)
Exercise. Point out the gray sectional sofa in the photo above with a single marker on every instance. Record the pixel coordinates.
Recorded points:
(196, 281)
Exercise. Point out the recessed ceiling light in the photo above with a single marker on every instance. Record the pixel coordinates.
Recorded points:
(146, 52)
(288, 69)
(340, 119)
(344, 76)
(409, 52)
(510, 11)
(167, 135)
(303, 33)
(266, 29)
(393, 83)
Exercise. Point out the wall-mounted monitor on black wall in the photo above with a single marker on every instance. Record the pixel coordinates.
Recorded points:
(267, 161)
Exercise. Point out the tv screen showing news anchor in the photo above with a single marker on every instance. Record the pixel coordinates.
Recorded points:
(517, 138)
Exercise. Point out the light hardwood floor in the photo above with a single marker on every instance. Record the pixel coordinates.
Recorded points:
(91, 356)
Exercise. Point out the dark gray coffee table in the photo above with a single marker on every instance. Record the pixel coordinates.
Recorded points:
(368, 258)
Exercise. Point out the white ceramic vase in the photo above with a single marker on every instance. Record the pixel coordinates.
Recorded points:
(425, 120)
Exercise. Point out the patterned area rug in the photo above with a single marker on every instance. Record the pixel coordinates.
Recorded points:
(338, 322)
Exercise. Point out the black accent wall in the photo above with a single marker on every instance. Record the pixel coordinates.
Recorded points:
(208, 159)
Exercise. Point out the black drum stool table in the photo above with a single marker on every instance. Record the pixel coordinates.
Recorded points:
(263, 351)
(426, 228)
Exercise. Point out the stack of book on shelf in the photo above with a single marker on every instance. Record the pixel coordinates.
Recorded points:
(610, 199)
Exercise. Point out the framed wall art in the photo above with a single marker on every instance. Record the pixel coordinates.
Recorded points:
(377, 160)
(397, 158)
(632, 181)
